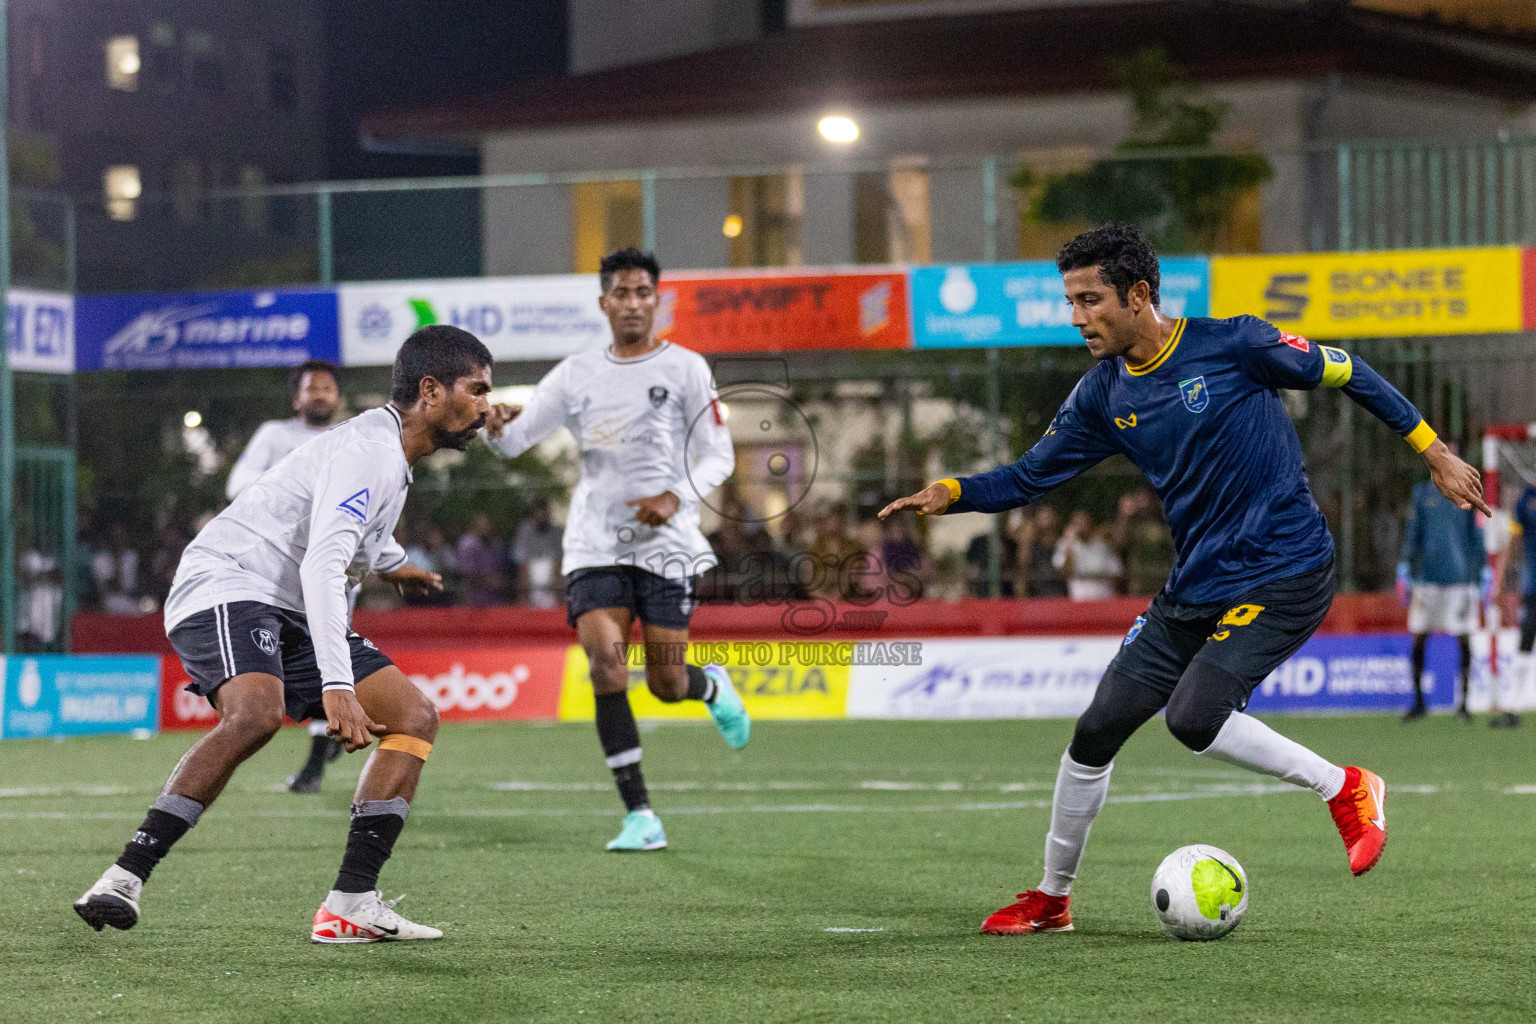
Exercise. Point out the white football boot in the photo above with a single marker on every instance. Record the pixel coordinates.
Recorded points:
(113, 900)
(373, 920)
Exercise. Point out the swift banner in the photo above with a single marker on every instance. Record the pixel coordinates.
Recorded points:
(1528, 288)
(516, 317)
(205, 330)
(770, 312)
(1409, 292)
(1005, 304)
(41, 327)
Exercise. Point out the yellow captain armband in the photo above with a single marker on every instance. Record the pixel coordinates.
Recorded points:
(1421, 437)
(954, 489)
(413, 745)
(1337, 367)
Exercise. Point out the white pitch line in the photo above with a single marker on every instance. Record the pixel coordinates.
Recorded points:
(853, 929)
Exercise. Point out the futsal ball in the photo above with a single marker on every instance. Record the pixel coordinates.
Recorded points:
(1199, 892)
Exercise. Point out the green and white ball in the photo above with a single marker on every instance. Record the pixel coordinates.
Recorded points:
(1199, 892)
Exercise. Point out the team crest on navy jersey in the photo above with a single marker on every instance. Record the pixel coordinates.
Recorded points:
(1195, 395)
(658, 396)
(1141, 620)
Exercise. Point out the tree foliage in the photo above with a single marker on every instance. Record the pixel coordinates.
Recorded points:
(1182, 202)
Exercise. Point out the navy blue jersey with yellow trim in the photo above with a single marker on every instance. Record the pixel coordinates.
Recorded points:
(1204, 421)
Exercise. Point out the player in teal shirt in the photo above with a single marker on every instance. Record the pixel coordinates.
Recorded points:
(1195, 405)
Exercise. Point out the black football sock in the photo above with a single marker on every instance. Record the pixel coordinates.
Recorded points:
(700, 686)
(620, 737)
(168, 820)
(1418, 667)
(319, 750)
(376, 824)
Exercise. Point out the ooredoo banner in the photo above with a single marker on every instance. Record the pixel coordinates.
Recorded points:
(773, 311)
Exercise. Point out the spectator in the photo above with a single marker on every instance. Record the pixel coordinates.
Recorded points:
(39, 596)
(480, 558)
(1036, 574)
(831, 548)
(536, 551)
(901, 552)
(1084, 554)
(1142, 539)
(170, 541)
(115, 571)
(434, 554)
(977, 574)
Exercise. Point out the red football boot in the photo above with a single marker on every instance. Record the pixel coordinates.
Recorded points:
(1035, 912)
(1360, 811)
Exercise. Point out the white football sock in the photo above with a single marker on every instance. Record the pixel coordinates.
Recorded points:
(317, 726)
(344, 903)
(1080, 793)
(1249, 743)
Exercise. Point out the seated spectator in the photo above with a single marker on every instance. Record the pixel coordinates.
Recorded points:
(115, 571)
(1085, 556)
(1036, 574)
(481, 556)
(902, 555)
(536, 552)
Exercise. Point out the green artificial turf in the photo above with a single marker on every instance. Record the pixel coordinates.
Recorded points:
(914, 830)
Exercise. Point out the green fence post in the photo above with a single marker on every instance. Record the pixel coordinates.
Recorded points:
(989, 209)
(994, 450)
(648, 211)
(325, 240)
(7, 383)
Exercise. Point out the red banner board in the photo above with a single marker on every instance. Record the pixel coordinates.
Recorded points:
(471, 684)
(769, 312)
(1528, 287)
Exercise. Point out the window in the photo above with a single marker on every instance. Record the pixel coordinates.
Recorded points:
(123, 63)
(253, 209)
(282, 87)
(187, 189)
(163, 66)
(608, 216)
(123, 187)
(205, 64)
(766, 210)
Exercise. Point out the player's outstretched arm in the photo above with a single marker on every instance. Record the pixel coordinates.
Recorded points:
(511, 430)
(930, 501)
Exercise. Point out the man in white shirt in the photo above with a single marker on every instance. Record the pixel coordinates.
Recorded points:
(315, 387)
(653, 442)
(316, 391)
(258, 614)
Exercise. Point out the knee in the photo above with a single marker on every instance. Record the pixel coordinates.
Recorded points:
(668, 682)
(252, 725)
(1201, 704)
(420, 720)
(1094, 742)
(609, 673)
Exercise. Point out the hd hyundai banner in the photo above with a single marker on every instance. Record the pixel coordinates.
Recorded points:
(1004, 304)
(205, 330)
(517, 317)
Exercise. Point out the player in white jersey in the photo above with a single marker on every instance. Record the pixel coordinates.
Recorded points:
(646, 416)
(258, 615)
(315, 387)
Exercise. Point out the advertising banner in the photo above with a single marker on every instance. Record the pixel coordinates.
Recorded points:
(488, 684)
(1055, 678)
(770, 311)
(41, 328)
(516, 317)
(78, 695)
(788, 680)
(1528, 288)
(205, 330)
(1004, 304)
(1400, 293)
(180, 708)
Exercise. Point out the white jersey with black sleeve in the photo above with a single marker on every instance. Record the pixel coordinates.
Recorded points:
(272, 441)
(645, 425)
(303, 534)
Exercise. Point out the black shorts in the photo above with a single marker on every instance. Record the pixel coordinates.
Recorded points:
(247, 636)
(654, 600)
(1249, 638)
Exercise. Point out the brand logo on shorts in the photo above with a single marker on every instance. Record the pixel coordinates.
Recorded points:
(264, 639)
(1141, 620)
(658, 396)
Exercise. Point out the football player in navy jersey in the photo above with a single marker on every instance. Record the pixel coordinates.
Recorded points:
(1195, 404)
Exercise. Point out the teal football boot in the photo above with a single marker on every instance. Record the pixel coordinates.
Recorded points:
(641, 832)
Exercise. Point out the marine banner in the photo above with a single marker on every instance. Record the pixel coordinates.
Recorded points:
(1399, 293)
